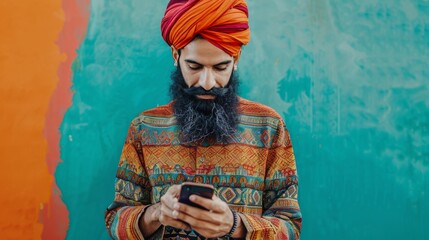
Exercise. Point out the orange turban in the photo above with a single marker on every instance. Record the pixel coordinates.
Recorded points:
(224, 23)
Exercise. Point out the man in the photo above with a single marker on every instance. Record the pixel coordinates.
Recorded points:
(207, 134)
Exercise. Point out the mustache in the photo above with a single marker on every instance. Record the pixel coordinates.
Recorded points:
(217, 92)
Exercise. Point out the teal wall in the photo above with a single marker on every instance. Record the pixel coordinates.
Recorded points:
(350, 77)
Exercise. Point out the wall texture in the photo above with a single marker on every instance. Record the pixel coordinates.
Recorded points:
(28, 71)
(351, 79)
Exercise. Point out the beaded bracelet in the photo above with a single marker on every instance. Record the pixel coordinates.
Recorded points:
(234, 225)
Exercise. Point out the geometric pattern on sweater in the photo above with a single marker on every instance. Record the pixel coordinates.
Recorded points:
(255, 174)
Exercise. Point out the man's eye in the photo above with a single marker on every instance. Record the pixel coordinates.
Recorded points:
(194, 67)
(221, 68)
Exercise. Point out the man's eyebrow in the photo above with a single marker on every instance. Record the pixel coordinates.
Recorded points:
(218, 64)
(224, 62)
(192, 61)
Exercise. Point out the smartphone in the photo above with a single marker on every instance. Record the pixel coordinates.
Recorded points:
(200, 189)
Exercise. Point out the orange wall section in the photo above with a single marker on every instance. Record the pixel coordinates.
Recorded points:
(29, 59)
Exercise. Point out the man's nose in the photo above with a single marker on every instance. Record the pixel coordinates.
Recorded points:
(207, 79)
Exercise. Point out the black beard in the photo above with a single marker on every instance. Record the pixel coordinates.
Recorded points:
(200, 119)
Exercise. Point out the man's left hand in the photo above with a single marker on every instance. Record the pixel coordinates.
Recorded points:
(215, 222)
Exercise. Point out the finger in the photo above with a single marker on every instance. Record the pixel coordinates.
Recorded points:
(194, 215)
(168, 221)
(214, 225)
(210, 230)
(165, 210)
(207, 223)
(210, 204)
(171, 195)
(174, 190)
(190, 219)
(169, 200)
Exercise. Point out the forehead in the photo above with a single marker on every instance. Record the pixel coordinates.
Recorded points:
(204, 52)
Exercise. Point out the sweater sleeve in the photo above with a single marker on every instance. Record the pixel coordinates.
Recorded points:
(132, 194)
(281, 217)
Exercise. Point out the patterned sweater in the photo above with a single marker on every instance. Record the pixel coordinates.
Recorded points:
(255, 174)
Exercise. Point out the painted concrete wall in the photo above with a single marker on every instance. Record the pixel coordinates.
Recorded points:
(351, 79)
(38, 42)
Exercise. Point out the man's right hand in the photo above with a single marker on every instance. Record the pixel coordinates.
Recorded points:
(162, 213)
(166, 216)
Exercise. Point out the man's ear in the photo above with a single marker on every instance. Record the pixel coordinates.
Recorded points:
(175, 54)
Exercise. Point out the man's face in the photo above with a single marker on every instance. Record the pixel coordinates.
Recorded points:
(204, 88)
(205, 65)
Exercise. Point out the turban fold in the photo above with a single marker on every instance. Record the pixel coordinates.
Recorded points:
(224, 23)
